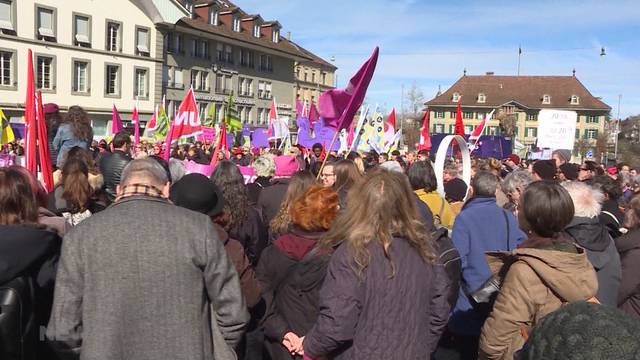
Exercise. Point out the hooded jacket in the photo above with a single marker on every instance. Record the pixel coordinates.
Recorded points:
(590, 234)
(537, 282)
(629, 292)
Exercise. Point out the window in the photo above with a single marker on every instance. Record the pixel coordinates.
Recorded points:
(482, 98)
(204, 81)
(494, 130)
(264, 90)
(82, 30)
(188, 4)
(532, 117)
(8, 16)
(313, 77)
(213, 16)
(178, 78)
(256, 30)
(112, 80)
(246, 58)
(592, 119)
(204, 49)
(468, 129)
(228, 54)
(451, 129)
(193, 51)
(439, 114)
(439, 128)
(546, 99)
(44, 76)
(306, 75)
(323, 78)
(142, 41)
(141, 85)
(480, 115)
(46, 23)
(455, 97)
(7, 68)
(577, 133)
(220, 52)
(81, 76)
(452, 114)
(245, 87)
(467, 115)
(276, 36)
(202, 110)
(575, 100)
(178, 46)
(265, 63)
(236, 24)
(195, 79)
(509, 109)
(114, 38)
(530, 132)
(590, 134)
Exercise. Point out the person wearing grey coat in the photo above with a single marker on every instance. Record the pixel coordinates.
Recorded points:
(145, 279)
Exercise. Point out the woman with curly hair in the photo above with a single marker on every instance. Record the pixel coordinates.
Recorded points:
(75, 130)
(298, 184)
(244, 222)
(384, 268)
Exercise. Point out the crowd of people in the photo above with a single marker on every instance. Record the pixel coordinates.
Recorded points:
(322, 255)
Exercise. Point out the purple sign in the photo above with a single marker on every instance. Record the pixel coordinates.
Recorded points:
(323, 134)
(259, 138)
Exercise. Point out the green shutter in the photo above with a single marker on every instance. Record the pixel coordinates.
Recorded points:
(577, 133)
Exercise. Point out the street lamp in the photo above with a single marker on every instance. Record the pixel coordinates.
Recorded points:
(335, 73)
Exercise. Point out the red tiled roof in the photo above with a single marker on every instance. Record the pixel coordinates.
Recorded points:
(525, 90)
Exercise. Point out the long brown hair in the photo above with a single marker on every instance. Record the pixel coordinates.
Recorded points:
(18, 203)
(346, 173)
(80, 123)
(76, 187)
(298, 183)
(632, 215)
(380, 208)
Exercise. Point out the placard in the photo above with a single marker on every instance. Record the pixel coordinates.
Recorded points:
(556, 129)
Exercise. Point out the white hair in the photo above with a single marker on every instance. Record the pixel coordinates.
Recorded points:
(264, 166)
(177, 170)
(518, 179)
(587, 200)
(146, 171)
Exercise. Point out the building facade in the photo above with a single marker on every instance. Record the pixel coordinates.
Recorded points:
(312, 77)
(95, 54)
(521, 98)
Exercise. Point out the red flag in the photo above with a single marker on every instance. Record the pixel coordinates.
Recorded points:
(477, 132)
(425, 139)
(30, 120)
(391, 121)
(299, 109)
(313, 114)
(43, 147)
(167, 146)
(186, 122)
(338, 107)
(136, 123)
(459, 129)
(273, 115)
(116, 121)
(221, 145)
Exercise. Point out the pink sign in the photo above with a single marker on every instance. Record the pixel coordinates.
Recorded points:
(248, 173)
(193, 167)
(208, 135)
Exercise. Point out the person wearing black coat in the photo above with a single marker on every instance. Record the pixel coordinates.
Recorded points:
(112, 164)
(271, 197)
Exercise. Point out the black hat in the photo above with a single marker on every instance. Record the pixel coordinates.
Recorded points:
(196, 192)
(455, 190)
(570, 171)
(546, 169)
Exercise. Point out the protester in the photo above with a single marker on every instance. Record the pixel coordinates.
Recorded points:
(244, 221)
(587, 231)
(292, 270)
(176, 169)
(265, 169)
(545, 271)
(611, 216)
(346, 176)
(328, 175)
(514, 184)
(96, 180)
(74, 198)
(544, 170)
(584, 331)
(112, 164)
(53, 120)
(568, 172)
(511, 164)
(165, 262)
(364, 294)
(424, 183)
(75, 130)
(423, 155)
(281, 223)
(561, 156)
(481, 226)
(629, 249)
(357, 160)
(196, 192)
(383, 157)
(392, 165)
(271, 197)
(28, 259)
(588, 171)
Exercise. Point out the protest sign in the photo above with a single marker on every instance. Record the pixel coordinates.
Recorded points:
(556, 129)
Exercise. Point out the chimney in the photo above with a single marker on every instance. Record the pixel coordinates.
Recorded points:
(489, 73)
(288, 35)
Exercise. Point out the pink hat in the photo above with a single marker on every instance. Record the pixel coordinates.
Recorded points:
(286, 165)
(50, 108)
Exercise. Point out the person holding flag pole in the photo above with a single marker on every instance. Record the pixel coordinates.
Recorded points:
(230, 122)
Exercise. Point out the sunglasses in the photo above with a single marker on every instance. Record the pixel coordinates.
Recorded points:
(584, 169)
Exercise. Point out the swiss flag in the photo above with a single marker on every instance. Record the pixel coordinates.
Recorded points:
(187, 121)
(425, 139)
(391, 121)
(273, 116)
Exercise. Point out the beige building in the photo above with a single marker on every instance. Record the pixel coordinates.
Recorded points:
(89, 53)
(520, 97)
(313, 77)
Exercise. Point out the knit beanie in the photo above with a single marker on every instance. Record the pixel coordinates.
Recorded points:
(455, 190)
(546, 169)
(584, 331)
(563, 154)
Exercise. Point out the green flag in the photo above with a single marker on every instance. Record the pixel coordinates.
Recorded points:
(211, 116)
(162, 124)
(231, 117)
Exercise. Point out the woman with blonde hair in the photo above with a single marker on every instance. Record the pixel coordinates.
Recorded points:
(383, 269)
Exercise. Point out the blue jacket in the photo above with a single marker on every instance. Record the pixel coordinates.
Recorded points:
(63, 142)
(480, 227)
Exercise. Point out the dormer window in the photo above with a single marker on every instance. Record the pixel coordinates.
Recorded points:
(213, 16)
(236, 24)
(256, 30)
(482, 98)
(455, 97)
(546, 99)
(575, 100)
(276, 36)
(188, 4)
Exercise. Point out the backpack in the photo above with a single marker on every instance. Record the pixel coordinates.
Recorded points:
(18, 325)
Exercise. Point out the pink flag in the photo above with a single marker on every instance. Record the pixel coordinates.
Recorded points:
(30, 120)
(116, 121)
(313, 114)
(299, 109)
(43, 146)
(338, 107)
(273, 115)
(136, 121)
(186, 122)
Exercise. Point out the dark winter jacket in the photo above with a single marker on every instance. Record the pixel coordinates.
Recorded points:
(629, 292)
(31, 254)
(111, 166)
(378, 316)
(254, 188)
(291, 274)
(252, 234)
(612, 218)
(602, 253)
(271, 197)
(449, 257)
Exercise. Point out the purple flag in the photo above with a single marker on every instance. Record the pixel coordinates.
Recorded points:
(299, 108)
(313, 114)
(116, 121)
(338, 107)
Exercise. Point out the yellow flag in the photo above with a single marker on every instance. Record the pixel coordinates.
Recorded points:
(6, 132)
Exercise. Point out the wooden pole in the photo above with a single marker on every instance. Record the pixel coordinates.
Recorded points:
(326, 154)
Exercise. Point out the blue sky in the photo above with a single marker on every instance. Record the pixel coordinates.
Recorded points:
(431, 42)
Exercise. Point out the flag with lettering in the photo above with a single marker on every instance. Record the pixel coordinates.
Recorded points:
(186, 123)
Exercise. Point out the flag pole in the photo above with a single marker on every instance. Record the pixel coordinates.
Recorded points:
(326, 155)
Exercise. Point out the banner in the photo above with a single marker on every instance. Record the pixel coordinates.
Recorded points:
(208, 135)
(556, 129)
(248, 173)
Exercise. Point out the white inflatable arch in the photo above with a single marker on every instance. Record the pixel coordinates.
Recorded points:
(441, 156)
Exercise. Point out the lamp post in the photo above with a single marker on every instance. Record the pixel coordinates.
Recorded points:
(335, 73)
(617, 130)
